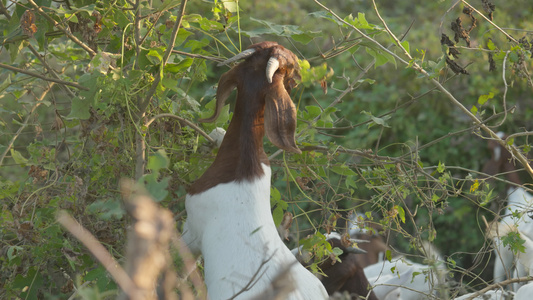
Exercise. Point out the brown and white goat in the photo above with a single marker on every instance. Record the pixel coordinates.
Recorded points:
(347, 275)
(518, 201)
(229, 219)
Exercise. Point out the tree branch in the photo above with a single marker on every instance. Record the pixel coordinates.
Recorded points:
(14, 69)
(63, 29)
(189, 123)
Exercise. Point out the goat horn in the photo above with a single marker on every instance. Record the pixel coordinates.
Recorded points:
(355, 250)
(359, 241)
(272, 67)
(237, 57)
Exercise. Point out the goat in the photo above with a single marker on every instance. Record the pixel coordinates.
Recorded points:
(346, 275)
(229, 219)
(519, 200)
(489, 295)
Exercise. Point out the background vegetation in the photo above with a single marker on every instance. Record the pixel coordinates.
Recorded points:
(394, 122)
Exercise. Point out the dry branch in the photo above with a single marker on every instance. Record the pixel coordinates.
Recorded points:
(147, 256)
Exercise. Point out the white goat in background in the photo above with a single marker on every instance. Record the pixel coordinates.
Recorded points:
(520, 202)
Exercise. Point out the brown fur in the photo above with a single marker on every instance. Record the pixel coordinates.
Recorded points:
(347, 275)
(241, 152)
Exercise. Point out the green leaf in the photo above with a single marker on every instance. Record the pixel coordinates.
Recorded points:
(484, 98)
(405, 44)
(350, 182)
(275, 195)
(182, 65)
(157, 189)
(312, 111)
(157, 161)
(376, 120)
(401, 213)
(107, 209)
(381, 57)
(12, 252)
(230, 5)
(292, 31)
(360, 22)
(342, 170)
(6, 83)
(326, 15)
(514, 242)
(19, 159)
(29, 285)
(388, 255)
(183, 34)
(304, 38)
(474, 109)
(441, 167)
(435, 198)
(155, 55)
(79, 109)
(491, 45)
(277, 215)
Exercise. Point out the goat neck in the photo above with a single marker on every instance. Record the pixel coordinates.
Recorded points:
(260, 106)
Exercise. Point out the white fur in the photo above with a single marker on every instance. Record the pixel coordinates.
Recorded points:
(388, 286)
(419, 287)
(490, 295)
(218, 135)
(525, 292)
(518, 200)
(232, 226)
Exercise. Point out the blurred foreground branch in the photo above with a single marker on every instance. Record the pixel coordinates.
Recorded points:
(148, 273)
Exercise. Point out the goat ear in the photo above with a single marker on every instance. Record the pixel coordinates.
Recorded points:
(280, 117)
(226, 84)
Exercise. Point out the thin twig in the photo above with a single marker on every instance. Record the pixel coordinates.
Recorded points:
(398, 43)
(500, 284)
(33, 74)
(189, 123)
(50, 70)
(166, 55)
(24, 124)
(488, 20)
(504, 89)
(66, 31)
(212, 58)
